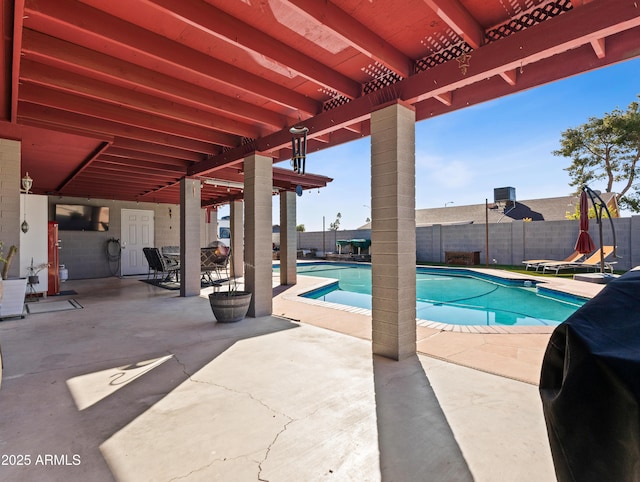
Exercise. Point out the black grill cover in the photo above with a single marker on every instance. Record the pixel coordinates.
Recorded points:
(590, 387)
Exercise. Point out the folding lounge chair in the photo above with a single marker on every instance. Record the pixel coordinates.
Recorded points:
(593, 262)
(538, 263)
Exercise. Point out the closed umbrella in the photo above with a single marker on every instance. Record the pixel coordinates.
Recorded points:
(584, 244)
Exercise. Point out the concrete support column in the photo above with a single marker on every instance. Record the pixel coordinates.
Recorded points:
(288, 239)
(258, 182)
(393, 231)
(236, 224)
(189, 237)
(10, 180)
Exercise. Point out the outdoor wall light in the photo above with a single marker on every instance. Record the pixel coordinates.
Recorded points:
(299, 147)
(27, 184)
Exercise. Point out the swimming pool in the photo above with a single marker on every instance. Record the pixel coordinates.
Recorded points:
(452, 296)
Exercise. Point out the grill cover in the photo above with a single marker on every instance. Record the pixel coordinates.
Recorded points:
(590, 387)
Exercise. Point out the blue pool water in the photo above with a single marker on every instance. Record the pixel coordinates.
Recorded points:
(452, 296)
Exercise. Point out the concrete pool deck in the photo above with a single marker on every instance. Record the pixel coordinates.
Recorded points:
(510, 351)
(141, 384)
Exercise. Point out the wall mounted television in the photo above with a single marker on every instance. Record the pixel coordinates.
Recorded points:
(78, 217)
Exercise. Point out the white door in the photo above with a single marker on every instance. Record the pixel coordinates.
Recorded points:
(137, 233)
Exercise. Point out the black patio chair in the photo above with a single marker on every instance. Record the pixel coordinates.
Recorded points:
(161, 264)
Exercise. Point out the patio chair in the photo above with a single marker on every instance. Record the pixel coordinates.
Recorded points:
(538, 263)
(161, 264)
(214, 259)
(593, 262)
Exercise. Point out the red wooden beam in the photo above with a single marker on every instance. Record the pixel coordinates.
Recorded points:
(64, 55)
(339, 23)
(60, 80)
(205, 17)
(72, 123)
(552, 37)
(554, 68)
(78, 23)
(18, 23)
(83, 166)
(163, 151)
(121, 114)
(460, 20)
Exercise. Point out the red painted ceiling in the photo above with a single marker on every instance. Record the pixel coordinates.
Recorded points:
(120, 99)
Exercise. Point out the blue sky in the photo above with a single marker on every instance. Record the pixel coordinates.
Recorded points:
(462, 156)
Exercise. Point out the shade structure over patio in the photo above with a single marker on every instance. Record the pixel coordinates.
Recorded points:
(172, 102)
(355, 244)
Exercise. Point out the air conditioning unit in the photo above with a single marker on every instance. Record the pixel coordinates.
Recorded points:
(504, 195)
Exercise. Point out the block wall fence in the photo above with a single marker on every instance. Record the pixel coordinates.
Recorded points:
(509, 243)
(83, 253)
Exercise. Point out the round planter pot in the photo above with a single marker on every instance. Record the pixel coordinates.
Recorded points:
(229, 307)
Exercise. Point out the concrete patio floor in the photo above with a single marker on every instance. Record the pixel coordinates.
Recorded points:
(141, 384)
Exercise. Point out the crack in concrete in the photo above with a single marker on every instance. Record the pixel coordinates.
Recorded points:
(214, 461)
(273, 442)
(194, 471)
(250, 395)
(275, 439)
(184, 367)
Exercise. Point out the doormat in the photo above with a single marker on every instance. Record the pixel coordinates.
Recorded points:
(167, 285)
(50, 306)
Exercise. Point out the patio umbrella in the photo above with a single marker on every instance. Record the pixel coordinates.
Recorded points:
(584, 244)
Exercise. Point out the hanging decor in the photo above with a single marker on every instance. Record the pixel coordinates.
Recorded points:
(27, 183)
(299, 147)
(464, 62)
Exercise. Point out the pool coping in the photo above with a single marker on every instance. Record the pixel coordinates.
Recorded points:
(561, 285)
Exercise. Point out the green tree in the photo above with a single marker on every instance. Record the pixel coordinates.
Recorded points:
(334, 226)
(300, 227)
(575, 215)
(606, 149)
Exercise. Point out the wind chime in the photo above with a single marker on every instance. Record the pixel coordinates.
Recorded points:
(299, 147)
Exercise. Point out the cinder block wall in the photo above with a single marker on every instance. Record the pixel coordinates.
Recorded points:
(509, 243)
(84, 252)
(10, 180)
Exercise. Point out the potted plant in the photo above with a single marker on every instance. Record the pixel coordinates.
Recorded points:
(230, 305)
